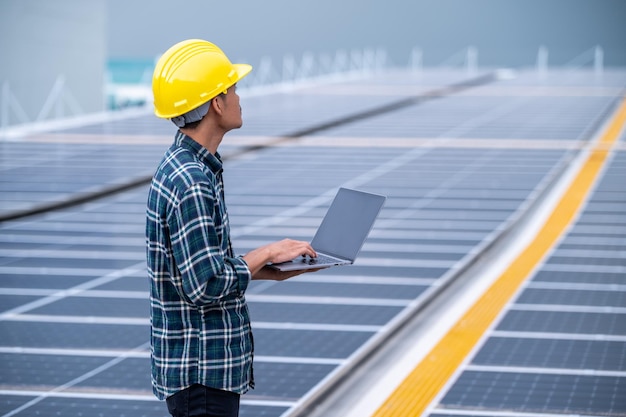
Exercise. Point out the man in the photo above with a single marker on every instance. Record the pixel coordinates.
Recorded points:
(201, 338)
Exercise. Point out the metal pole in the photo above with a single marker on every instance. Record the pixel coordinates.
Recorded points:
(598, 61)
(472, 60)
(542, 61)
(289, 69)
(417, 60)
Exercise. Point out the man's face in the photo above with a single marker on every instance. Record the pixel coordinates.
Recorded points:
(231, 117)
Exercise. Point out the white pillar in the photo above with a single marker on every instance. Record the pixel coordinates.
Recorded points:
(598, 61)
(416, 61)
(472, 60)
(542, 61)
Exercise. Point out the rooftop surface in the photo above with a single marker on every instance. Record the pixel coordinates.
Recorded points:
(462, 158)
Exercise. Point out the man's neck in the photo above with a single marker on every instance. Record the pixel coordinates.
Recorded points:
(209, 139)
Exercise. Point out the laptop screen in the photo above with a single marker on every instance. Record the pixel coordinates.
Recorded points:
(347, 223)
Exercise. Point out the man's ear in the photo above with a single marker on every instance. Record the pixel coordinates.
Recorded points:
(218, 105)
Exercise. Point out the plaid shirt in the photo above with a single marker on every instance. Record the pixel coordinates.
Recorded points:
(200, 323)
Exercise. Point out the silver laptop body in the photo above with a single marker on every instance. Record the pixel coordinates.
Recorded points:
(343, 231)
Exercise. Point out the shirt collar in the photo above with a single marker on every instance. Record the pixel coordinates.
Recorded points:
(214, 162)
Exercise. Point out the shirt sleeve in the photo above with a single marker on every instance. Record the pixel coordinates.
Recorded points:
(208, 275)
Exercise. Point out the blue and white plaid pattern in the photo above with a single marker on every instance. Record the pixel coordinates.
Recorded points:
(200, 322)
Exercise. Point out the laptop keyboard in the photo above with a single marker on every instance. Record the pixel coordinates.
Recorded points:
(323, 259)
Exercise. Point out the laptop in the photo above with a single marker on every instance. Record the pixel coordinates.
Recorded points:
(342, 232)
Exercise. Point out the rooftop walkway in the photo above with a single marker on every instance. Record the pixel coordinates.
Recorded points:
(493, 283)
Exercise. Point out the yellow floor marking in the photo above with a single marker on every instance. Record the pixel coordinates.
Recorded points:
(430, 376)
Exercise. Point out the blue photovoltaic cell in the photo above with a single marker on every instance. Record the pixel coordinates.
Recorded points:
(136, 373)
(580, 277)
(7, 302)
(564, 322)
(45, 371)
(98, 307)
(79, 407)
(553, 353)
(538, 393)
(287, 381)
(330, 289)
(72, 335)
(333, 314)
(599, 298)
(308, 343)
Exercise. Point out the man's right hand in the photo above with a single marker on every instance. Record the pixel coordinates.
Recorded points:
(277, 252)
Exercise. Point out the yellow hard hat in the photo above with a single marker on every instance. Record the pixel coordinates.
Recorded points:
(191, 73)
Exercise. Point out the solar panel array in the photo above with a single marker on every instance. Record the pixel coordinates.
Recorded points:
(457, 171)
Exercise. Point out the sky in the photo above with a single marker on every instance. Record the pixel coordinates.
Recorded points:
(505, 32)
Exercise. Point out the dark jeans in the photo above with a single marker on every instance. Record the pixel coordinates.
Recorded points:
(201, 401)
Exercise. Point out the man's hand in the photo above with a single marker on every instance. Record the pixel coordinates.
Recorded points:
(272, 274)
(277, 252)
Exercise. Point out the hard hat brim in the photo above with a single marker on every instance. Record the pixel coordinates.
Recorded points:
(242, 70)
